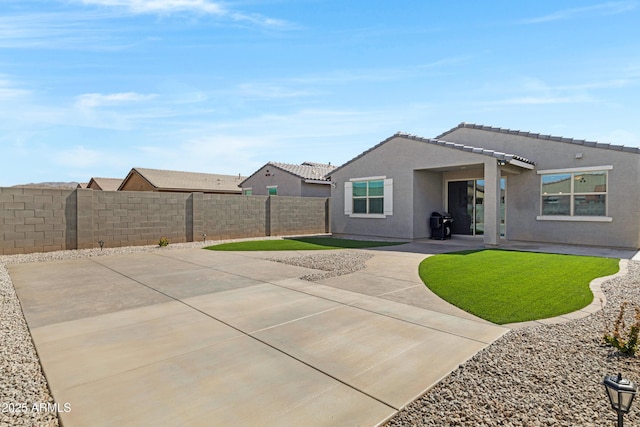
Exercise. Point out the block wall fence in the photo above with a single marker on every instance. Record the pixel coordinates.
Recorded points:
(44, 220)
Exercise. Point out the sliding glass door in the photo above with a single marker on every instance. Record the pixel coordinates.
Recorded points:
(466, 205)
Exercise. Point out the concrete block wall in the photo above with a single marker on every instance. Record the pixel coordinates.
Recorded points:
(233, 217)
(298, 215)
(34, 220)
(43, 220)
(133, 218)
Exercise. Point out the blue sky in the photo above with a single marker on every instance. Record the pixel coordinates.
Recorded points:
(92, 88)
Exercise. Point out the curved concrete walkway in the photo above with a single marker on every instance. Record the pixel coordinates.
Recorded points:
(195, 337)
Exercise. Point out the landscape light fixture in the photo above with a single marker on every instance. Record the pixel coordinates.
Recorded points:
(101, 243)
(621, 392)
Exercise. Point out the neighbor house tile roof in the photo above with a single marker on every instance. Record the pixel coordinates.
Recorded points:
(105, 184)
(308, 171)
(508, 157)
(541, 136)
(190, 181)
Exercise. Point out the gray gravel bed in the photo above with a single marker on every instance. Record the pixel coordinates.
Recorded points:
(539, 376)
(332, 263)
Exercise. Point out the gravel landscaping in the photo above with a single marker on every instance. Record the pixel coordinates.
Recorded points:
(332, 263)
(537, 376)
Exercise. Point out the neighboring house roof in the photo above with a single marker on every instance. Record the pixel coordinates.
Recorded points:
(168, 180)
(539, 136)
(507, 157)
(308, 171)
(82, 185)
(105, 184)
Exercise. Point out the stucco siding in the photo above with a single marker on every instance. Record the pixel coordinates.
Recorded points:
(315, 190)
(288, 184)
(137, 183)
(397, 159)
(523, 190)
(420, 172)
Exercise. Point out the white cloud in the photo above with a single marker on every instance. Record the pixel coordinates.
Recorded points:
(167, 7)
(271, 91)
(609, 8)
(542, 100)
(79, 157)
(162, 6)
(67, 30)
(93, 100)
(8, 90)
(620, 137)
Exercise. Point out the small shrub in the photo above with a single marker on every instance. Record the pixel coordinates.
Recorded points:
(163, 242)
(623, 338)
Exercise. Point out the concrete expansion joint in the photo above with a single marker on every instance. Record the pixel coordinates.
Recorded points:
(248, 334)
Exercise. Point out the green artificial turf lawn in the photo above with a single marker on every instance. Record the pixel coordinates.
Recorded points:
(509, 286)
(298, 244)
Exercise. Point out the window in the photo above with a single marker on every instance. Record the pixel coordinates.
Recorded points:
(574, 193)
(247, 191)
(369, 197)
(273, 190)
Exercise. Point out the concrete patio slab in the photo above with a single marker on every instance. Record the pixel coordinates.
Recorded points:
(69, 290)
(265, 271)
(181, 337)
(260, 307)
(238, 382)
(378, 355)
(141, 337)
(367, 284)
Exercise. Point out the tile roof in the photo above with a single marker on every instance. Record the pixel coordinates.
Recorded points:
(195, 181)
(484, 151)
(308, 170)
(541, 136)
(508, 157)
(106, 184)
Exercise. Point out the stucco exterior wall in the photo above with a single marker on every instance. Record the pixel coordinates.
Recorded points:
(39, 220)
(417, 189)
(288, 184)
(523, 191)
(137, 183)
(315, 190)
(420, 172)
(428, 197)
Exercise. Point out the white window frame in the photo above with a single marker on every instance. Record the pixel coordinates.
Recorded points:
(387, 197)
(572, 194)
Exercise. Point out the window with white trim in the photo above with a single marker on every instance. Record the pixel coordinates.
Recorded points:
(368, 197)
(580, 193)
(272, 190)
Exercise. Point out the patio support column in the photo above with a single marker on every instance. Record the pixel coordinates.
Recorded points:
(491, 203)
